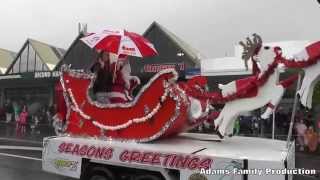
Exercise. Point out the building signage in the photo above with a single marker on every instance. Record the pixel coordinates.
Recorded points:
(47, 74)
(154, 68)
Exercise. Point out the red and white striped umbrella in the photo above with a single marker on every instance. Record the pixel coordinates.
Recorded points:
(120, 42)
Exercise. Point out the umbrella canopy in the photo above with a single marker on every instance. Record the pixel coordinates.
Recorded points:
(120, 42)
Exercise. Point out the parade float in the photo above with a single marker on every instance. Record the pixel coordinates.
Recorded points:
(164, 107)
(142, 137)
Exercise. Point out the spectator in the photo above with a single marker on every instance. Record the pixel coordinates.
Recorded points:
(16, 110)
(236, 129)
(308, 121)
(9, 110)
(300, 129)
(48, 114)
(282, 121)
(312, 139)
(22, 123)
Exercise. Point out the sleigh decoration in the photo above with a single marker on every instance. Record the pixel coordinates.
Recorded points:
(160, 109)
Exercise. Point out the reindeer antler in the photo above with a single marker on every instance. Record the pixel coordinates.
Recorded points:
(250, 48)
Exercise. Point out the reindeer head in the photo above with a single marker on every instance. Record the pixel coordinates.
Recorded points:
(251, 48)
(254, 50)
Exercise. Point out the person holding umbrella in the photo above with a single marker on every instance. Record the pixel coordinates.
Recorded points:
(122, 82)
(114, 46)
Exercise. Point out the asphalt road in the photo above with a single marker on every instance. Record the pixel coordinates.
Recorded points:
(12, 168)
(23, 164)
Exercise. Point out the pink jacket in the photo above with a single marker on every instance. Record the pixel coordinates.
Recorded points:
(23, 117)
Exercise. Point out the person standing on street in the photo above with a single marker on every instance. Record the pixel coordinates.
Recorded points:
(9, 111)
(22, 123)
(16, 111)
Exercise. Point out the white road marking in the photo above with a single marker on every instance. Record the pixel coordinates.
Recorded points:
(20, 140)
(18, 156)
(28, 148)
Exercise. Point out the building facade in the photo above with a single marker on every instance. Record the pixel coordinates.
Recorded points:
(30, 78)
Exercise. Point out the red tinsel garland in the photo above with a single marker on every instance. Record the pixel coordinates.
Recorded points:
(248, 90)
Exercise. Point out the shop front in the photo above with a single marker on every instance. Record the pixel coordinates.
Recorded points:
(29, 88)
(29, 80)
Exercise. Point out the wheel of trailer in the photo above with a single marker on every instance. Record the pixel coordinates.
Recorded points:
(147, 177)
(99, 173)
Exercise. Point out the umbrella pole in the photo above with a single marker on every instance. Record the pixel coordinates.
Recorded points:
(294, 111)
(114, 72)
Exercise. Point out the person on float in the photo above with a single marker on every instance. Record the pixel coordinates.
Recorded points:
(122, 83)
(103, 82)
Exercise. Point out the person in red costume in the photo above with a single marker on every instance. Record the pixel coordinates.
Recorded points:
(123, 83)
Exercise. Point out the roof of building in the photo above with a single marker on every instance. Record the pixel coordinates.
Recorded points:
(193, 53)
(75, 41)
(6, 58)
(49, 54)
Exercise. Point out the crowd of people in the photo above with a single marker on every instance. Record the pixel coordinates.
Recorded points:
(304, 128)
(25, 115)
(306, 134)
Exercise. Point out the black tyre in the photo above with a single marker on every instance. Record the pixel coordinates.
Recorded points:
(147, 177)
(99, 173)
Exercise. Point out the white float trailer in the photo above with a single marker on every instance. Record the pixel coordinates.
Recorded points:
(184, 157)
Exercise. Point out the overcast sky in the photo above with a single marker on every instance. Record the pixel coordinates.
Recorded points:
(211, 26)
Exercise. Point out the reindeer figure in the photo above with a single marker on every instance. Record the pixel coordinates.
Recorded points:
(269, 90)
(308, 59)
